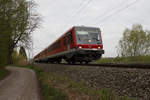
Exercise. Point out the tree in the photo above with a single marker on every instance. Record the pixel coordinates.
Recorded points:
(22, 53)
(4, 31)
(20, 20)
(135, 42)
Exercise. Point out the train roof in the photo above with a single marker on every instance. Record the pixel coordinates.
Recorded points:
(84, 26)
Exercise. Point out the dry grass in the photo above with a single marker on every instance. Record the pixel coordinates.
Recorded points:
(79, 91)
(22, 62)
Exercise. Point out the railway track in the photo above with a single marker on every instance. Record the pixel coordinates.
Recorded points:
(113, 65)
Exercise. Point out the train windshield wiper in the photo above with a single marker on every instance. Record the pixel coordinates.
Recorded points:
(95, 39)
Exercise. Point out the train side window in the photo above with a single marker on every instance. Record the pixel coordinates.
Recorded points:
(64, 41)
(59, 44)
(70, 38)
(56, 46)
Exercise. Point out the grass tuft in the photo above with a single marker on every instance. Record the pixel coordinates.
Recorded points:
(3, 73)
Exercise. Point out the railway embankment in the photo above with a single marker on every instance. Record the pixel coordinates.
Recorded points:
(130, 82)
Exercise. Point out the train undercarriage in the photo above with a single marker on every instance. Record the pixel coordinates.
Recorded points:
(83, 56)
(75, 56)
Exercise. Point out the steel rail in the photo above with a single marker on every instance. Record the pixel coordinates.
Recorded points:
(115, 65)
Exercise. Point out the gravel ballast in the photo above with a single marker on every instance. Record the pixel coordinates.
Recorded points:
(134, 83)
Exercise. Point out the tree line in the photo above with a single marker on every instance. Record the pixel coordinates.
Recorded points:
(18, 19)
(135, 42)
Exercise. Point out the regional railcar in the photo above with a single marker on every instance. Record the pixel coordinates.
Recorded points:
(79, 44)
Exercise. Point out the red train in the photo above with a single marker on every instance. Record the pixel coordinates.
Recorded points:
(79, 44)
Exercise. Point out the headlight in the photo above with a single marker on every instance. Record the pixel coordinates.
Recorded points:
(99, 47)
(80, 47)
(89, 41)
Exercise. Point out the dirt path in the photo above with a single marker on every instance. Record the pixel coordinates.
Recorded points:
(21, 84)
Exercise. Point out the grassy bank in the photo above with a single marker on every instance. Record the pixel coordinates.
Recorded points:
(48, 91)
(81, 91)
(3, 73)
(137, 59)
(61, 87)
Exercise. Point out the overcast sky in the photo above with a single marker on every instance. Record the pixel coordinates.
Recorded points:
(111, 16)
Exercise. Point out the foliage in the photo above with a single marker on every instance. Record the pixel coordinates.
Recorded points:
(4, 33)
(18, 20)
(3, 73)
(135, 42)
(134, 59)
(3, 51)
(22, 53)
(16, 56)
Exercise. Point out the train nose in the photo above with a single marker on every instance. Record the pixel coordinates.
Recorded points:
(89, 46)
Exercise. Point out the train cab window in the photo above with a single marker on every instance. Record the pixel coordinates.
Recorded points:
(88, 36)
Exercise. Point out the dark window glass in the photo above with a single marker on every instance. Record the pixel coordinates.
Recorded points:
(64, 41)
(55, 46)
(88, 36)
(70, 38)
(59, 44)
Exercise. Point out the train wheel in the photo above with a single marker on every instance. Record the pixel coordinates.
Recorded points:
(73, 62)
(69, 62)
(87, 62)
(58, 61)
(81, 62)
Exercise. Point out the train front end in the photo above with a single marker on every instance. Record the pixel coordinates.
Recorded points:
(89, 46)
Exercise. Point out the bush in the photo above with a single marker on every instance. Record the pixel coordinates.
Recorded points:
(134, 59)
(3, 73)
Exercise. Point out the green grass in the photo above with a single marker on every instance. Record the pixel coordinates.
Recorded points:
(3, 73)
(83, 89)
(49, 92)
(136, 59)
(49, 82)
